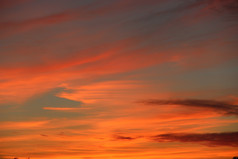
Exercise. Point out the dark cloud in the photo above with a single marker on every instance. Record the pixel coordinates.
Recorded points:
(217, 6)
(119, 137)
(219, 106)
(44, 135)
(227, 7)
(210, 139)
(173, 10)
(221, 5)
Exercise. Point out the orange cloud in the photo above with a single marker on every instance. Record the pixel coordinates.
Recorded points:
(106, 56)
(23, 125)
(102, 91)
(64, 109)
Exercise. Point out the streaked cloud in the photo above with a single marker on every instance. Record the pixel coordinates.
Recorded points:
(210, 139)
(71, 71)
(219, 106)
(119, 137)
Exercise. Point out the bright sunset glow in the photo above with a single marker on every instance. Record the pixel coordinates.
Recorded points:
(118, 79)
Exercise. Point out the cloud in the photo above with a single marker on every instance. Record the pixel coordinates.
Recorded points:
(42, 105)
(216, 5)
(221, 5)
(219, 106)
(64, 109)
(7, 4)
(91, 11)
(210, 139)
(23, 125)
(102, 91)
(44, 135)
(10, 28)
(105, 55)
(119, 137)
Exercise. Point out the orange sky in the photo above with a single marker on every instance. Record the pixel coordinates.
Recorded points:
(118, 79)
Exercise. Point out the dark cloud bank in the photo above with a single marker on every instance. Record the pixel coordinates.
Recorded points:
(120, 137)
(208, 139)
(219, 106)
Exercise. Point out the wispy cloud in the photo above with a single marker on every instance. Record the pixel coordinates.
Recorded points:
(210, 139)
(23, 125)
(7, 4)
(77, 67)
(120, 137)
(230, 6)
(219, 106)
(64, 109)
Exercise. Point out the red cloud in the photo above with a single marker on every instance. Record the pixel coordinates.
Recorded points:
(210, 139)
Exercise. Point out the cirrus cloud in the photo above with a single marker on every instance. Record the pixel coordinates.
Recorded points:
(219, 106)
(209, 139)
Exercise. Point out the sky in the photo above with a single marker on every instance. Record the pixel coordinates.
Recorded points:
(118, 79)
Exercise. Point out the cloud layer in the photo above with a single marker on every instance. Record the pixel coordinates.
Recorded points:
(71, 71)
(220, 106)
(210, 139)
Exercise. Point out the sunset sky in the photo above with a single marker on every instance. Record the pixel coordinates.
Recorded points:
(118, 79)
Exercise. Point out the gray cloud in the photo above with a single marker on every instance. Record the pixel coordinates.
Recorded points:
(219, 106)
(209, 139)
(221, 5)
(119, 137)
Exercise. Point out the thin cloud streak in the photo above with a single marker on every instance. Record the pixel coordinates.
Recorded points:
(220, 106)
(210, 139)
(119, 137)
